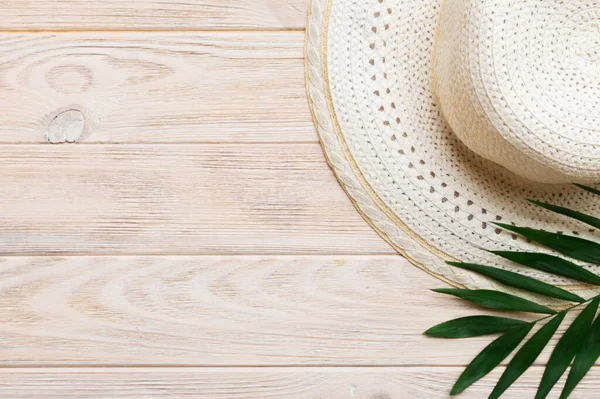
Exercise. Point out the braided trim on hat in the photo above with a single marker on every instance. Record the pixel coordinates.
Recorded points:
(366, 201)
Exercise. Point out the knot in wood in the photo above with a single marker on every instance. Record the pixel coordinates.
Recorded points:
(66, 127)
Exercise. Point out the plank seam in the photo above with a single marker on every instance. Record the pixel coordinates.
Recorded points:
(200, 30)
(5, 368)
(174, 143)
(189, 255)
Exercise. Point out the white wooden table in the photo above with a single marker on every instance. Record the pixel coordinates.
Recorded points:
(193, 241)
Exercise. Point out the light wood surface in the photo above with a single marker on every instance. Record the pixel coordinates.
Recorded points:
(142, 87)
(183, 236)
(225, 311)
(63, 15)
(176, 199)
(260, 383)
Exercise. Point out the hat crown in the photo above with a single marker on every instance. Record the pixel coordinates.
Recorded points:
(519, 83)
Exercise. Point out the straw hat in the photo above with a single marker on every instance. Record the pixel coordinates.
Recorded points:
(439, 119)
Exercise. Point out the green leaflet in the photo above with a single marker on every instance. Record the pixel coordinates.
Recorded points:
(490, 357)
(575, 247)
(497, 300)
(527, 355)
(566, 348)
(551, 264)
(585, 359)
(582, 217)
(590, 189)
(474, 326)
(520, 281)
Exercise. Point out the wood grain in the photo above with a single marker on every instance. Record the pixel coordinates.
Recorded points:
(244, 383)
(152, 14)
(155, 87)
(238, 171)
(226, 311)
(175, 199)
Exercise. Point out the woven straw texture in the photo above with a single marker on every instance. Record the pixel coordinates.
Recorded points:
(369, 71)
(519, 83)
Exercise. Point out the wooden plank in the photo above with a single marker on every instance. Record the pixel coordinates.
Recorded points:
(260, 383)
(176, 199)
(152, 14)
(155, 87)
(226, 311)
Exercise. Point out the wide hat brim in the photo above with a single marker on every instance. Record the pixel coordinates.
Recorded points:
(369, 83)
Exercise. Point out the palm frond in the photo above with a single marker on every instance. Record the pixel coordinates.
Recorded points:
(490, 357)
(497, 300)
(566, 349)
(582, 217)
(574, 247)
(551, 264)
(580, 343)
(525, 357)
(520, 281)
(585, 358)
(474, 326)
(590, 189)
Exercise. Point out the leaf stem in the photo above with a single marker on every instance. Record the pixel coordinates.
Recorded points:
(566, 310)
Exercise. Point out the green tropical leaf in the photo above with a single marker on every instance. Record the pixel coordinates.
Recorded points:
(520, 281)
(579, 344)
(497, 300)
(582, 217)
(551, 264)
(584, 360)
(574, 247)
(474, 326)
(566, 349)
(590, 189)
(525, 357)
(490, 357)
